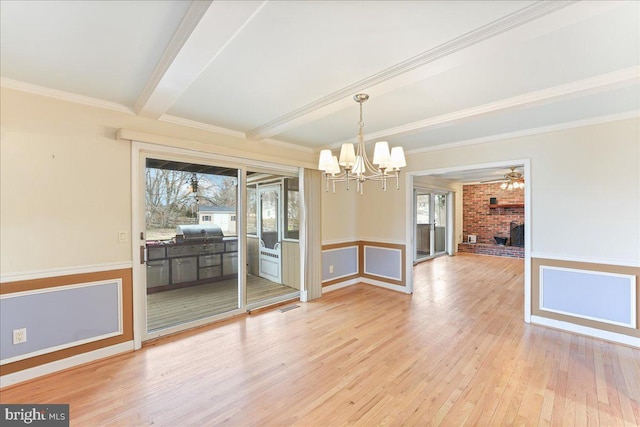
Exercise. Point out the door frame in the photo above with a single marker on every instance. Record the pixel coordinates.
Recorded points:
(139, 152)
(527, 219)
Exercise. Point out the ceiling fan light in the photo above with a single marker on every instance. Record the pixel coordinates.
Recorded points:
(503, 185)
(397, 158)
(347, 155)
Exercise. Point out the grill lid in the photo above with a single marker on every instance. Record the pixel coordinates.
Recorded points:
(198, 232)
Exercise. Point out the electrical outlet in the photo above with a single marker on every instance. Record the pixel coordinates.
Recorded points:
(19, 336)
(122, 236)
(331, 269)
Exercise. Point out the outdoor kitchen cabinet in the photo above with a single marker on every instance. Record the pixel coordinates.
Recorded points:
(175, 265)
(157, 272)
(184, 269)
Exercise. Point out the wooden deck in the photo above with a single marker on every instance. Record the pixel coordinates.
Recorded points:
(184, 305)
(456, 353)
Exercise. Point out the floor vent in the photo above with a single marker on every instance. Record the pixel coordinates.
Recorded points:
(291, 307)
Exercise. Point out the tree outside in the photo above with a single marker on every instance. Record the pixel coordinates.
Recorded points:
(171, 199)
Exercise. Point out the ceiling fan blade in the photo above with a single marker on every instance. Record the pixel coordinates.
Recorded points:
(494, 180)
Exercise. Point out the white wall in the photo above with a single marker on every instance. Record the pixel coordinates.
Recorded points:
(340, 214)
(65, 181)
(382, 213)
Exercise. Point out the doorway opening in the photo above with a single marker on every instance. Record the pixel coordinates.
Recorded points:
(273, 249)
(466, 174)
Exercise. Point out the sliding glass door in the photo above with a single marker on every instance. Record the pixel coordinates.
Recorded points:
(191, 242)
(199, 220)
(430, 214)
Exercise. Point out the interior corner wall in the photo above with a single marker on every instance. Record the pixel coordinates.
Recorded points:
(381, 211)
(355, 247)
(340, 214)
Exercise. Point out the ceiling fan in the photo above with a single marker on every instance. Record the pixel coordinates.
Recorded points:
(510, 181)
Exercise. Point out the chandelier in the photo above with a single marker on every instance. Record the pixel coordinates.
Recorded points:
(355, 163)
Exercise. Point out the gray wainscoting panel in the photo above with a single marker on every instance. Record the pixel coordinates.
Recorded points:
(344, 262)
(61, 317)
(606, 297)
(383, 262)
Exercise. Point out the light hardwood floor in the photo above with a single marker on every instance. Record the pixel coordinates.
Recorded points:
(455, 353)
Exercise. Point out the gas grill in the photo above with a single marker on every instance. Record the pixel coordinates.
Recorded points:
(198, 233)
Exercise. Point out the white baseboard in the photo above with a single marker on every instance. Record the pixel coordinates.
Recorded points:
(397, 288)
(368, 281)
(341, 285)
(585, 330)
(59, 365)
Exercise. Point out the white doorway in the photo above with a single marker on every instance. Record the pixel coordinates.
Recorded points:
(459, 174)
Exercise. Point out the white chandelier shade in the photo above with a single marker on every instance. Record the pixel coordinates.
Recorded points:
(355, 163)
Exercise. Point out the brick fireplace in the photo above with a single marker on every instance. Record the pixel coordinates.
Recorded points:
(486, 220)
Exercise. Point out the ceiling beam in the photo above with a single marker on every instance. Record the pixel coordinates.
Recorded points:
(207, 28)
(433, 61)
(596, 84)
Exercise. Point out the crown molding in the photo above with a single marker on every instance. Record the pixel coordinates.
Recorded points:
(499, 26)
(62, 95)
(532, 131)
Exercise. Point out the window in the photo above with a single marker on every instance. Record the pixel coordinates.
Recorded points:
(206, 218)
(233, 218)
(292, 207)
(422, 208)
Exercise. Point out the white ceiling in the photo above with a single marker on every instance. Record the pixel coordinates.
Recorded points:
(438, 72)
